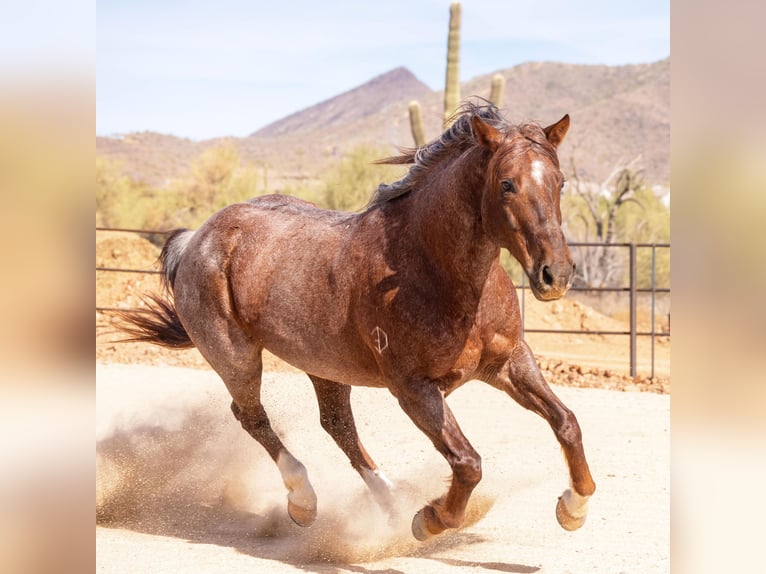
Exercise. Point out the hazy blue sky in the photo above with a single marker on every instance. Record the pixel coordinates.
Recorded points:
(228, 67)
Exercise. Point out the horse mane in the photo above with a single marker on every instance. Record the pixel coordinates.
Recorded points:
(457, 138)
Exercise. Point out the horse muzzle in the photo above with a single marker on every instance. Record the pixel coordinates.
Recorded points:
(551, 280)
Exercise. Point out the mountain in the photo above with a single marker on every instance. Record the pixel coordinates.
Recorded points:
(617, 112)
(367, 100)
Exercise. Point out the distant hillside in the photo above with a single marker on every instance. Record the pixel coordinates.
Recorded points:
(150, 156)
(618, 112)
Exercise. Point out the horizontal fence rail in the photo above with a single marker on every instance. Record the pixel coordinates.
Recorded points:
(631, 289)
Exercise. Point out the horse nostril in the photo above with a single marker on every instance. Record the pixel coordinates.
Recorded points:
(546, 276)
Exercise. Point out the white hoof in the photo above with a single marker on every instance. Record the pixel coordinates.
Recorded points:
(301, 498)
(571, 510)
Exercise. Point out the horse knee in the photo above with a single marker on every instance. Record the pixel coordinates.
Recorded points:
(567, 429)
(467, 470)
(570, 437)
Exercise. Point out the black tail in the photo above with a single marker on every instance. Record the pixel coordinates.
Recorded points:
(158, 323)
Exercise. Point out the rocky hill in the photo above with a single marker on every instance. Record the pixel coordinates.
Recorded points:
(618, 113)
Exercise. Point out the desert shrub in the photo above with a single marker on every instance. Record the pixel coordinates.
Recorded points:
(512, 267)
(217, 178)
(350, 183)
(121, 201)
(607, 214)
(647, 221)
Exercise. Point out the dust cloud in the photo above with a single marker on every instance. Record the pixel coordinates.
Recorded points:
(186, 469)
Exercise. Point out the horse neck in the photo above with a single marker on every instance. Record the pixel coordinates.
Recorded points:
(444, 219)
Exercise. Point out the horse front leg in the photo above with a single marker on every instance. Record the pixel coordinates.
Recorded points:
(521, 378)
(424, 403)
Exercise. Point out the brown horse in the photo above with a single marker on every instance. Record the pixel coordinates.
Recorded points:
(408, 295)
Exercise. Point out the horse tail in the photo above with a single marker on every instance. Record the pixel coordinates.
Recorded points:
(158, 323)
(171, 253)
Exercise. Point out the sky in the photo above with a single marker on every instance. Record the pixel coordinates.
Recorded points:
(202, 69)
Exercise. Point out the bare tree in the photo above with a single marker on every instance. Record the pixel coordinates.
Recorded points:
(601, 266)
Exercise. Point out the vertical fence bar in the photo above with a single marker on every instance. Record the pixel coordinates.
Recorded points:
(633, 281)
(654, 296)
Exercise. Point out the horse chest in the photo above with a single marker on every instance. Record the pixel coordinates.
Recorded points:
(430, 344)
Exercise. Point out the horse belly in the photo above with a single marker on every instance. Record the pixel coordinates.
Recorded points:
(328, 363)
(321, 343)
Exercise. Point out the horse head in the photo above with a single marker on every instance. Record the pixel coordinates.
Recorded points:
(521, 201)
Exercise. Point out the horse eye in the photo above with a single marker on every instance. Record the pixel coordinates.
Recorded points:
(508, 186)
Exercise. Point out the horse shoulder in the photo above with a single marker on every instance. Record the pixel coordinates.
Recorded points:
(499, 318)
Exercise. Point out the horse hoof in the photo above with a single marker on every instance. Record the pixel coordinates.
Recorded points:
(565, 519)
(301, 516)
(419, 529)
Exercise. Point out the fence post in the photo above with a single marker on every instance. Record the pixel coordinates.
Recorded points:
(654, 296)
(633, 302)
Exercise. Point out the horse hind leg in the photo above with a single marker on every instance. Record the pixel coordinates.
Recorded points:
(205, 300)
(301, 498)
(337, 419)
(240, 366)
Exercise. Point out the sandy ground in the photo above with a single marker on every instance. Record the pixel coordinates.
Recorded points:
(182, 488)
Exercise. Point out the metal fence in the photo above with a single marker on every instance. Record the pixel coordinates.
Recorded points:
(631, 289)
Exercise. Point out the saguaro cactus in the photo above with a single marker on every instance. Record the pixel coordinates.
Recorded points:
(496, 92)
(416, 124)
(452, 80)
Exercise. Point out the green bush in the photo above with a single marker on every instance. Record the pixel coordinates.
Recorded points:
(217, 178)
(643, 219)
(350, 183)
(120, 200)
(647, 221)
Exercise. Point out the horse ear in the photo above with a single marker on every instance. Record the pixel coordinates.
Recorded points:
(486, 135)
(556, 132)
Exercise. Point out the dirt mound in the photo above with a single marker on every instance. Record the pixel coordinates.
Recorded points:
(116, 250)
(127, 250)
(561, 372)
(567, 315)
